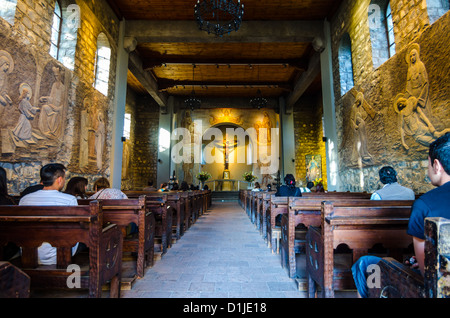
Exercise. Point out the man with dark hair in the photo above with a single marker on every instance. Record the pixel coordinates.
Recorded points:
(434, 203)
(53, 180)
(391, 190)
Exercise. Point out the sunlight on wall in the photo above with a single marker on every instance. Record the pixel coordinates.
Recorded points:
(164, 140)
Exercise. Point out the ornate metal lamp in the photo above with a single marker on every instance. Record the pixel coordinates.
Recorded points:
(218, 16)
(192, 102)
(259, 101)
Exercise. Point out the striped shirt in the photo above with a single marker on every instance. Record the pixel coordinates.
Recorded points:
(46, 252)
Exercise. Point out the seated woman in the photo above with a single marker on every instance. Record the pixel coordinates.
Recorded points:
(257, 187)
(77, 187)
(103, 190)
(289, 189)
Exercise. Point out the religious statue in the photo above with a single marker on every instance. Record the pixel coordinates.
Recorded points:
(266, 178)
(225, 117)
(100, 139)
(6, 67)
(414, 106)
(264, 130)
(413, 121)
(23, 130)
(50, 120)
(417, 78)
(313, 171)
(359, 112)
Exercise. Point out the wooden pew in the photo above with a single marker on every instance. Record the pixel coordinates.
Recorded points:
(184, 195)
(306, 211)
(157, 202)
(259, 207)
(163, 216)
(398, 280)
(14, 283)
(358, 227)
(125, 211)
(63, 227)
(265, 212)
(173, 200)
(252, 211)
(278, 206)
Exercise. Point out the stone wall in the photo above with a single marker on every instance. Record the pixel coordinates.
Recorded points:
(51, 112)
(140, 153)
(382, 105)
(309, 137)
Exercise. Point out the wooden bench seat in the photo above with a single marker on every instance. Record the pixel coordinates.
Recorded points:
(14, 283)
(400, 281)
(306, 210)
(280, 206)
(359, 228)
(63, 227)
(125, 211)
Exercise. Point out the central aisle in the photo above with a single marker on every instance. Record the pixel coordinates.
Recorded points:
(222, 255)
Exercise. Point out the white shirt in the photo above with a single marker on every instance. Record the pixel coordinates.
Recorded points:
(46, 252)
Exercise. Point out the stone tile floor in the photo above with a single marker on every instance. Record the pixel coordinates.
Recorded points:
(222, 255)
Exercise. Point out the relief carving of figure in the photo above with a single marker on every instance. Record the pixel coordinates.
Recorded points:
(359, 112)
(413, 121)
(100, 139)
(93, 123)
(23, 129)
(6, 67)
(225, 117)
(266, 136)
(50, 120)
(417, 78)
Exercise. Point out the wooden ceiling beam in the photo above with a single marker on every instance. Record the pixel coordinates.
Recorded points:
(164, 85)
(146, 80)
(148, 65)
(146, 31)
(305, 80)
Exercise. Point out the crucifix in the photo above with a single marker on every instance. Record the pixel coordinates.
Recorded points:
(227, 144)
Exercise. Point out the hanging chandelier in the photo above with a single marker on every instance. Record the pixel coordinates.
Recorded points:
(192, 102)
(259, 101)
(218, 16)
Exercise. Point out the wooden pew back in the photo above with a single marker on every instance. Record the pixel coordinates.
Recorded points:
(360, 228)
(133, 210)
(63, 227)
(399, 281)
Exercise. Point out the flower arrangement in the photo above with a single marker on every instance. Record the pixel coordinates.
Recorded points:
(203, 176)
(249, 177)
(318, 181)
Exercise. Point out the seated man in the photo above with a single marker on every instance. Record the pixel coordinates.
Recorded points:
(53, 180)
(391, 190)
(434, 203)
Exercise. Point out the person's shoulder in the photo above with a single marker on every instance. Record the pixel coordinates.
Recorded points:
(45, 196)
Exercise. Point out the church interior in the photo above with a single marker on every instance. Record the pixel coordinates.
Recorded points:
(222, 95)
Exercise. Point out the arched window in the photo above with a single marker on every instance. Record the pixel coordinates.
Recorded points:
(390, 30)
(68, 35)
(102, 63)
(345, 64)
(8, 10)
(56, 31)
(437, 8)
(381, 31)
